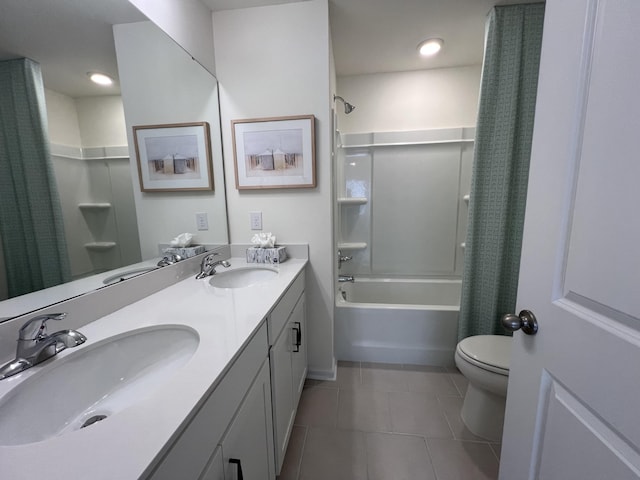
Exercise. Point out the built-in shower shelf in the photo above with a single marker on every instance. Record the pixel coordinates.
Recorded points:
(352, 246)
(94, 206)
(99, 246)
(352, 200)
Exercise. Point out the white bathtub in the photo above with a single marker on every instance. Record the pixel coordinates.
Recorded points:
(397, 321)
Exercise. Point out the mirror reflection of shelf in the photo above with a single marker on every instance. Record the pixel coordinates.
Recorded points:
(99, 246)
(94, 206)
(352, 246)
(352, 200)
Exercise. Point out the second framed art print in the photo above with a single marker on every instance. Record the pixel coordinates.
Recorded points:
(277, 152)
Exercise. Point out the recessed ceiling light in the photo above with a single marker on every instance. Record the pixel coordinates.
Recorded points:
(100, 78)
(430, 47)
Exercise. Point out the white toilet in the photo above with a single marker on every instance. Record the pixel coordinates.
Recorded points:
(484, 361)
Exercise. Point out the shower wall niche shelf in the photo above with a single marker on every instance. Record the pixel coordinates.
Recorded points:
(99, 246)
(94, 206)
(352, 200)
(352, 246)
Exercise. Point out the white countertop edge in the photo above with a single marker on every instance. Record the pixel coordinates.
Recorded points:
(124, 445)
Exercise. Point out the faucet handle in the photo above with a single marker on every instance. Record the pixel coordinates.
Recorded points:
(36, 328)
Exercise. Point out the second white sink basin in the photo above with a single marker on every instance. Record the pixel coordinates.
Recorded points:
(94, 383)
(243, 277)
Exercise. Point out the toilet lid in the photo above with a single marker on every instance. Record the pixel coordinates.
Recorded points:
(491, 352)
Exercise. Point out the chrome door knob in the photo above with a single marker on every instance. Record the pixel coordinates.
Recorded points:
(525, 320)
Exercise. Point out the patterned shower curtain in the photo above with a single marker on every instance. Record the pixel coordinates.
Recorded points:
(30, 215)
(501, 168)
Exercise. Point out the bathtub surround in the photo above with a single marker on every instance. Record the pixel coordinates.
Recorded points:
(434, 168)
(501, 165)
(31, 264)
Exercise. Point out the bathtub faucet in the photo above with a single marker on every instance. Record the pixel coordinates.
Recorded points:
(342, 258)
(345, 278)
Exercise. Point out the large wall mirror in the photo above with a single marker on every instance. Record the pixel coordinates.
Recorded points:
(109, 223)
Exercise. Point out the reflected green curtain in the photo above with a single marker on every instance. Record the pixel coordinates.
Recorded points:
(30, 215)
(501, 168)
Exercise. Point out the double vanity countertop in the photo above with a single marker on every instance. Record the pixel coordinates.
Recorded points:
(126, 444)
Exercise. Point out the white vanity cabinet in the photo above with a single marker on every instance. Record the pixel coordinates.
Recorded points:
(288, 362)
(215, 469)
(246, 450)
(247, 446)
(234, 422)
(245, 420)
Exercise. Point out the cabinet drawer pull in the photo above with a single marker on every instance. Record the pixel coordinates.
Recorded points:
(298, 340)
(236, 461)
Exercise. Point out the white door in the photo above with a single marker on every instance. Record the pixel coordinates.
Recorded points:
(573, 405)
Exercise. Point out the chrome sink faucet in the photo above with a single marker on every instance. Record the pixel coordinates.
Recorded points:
(170, 259)
(208, 265)
(35, 345)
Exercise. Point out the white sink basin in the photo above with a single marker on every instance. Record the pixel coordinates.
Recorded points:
(99, 380)
(243, 277)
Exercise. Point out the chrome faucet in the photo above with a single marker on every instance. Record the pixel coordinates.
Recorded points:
(35, 345)
(342, 258)
(208, 265)
(169, 259)
(346, 278)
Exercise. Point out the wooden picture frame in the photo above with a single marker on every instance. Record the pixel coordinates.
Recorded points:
(276, 152)
(174, 157)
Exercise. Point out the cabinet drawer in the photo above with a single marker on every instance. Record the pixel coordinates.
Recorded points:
(280, 313)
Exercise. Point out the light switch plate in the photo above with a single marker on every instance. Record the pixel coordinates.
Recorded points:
(256, 220)
(202, 222)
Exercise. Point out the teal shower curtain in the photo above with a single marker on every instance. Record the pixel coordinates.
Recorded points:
(501, 167)
(30, 215)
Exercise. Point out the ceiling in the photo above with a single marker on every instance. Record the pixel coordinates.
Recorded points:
(67, 37)
(71, 37)
(374, 36)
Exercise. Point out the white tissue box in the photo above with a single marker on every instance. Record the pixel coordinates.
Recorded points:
(266, 255)
(185, 252)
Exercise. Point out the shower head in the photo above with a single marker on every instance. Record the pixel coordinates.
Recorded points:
(348, 108)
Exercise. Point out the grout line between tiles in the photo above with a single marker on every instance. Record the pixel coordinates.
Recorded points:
(304, 444)
(430, 455)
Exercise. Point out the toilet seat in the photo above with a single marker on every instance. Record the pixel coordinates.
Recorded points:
(488, 352)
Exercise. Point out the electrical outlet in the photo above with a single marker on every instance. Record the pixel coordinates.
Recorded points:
(256, 220)
(202, 222)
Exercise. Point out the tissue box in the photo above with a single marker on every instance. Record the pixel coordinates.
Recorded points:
(266, 255)
(185, 252)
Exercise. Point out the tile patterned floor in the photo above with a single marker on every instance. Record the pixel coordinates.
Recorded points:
(386, 422)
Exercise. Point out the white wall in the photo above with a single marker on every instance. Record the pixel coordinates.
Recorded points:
(101, 121)
(275, 61)
(188, 22)
(62, 119)
(420, 100)
(161, 84)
